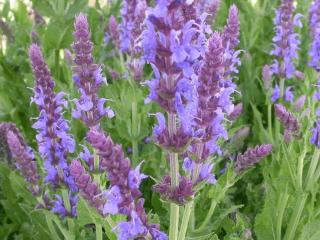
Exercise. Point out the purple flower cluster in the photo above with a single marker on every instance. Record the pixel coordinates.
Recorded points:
(88, 78)
(230, 40)
(193, 84)
(24, 158)
(314, 53)
(180, 195)
(252, 156)
(112, 32)
(5, 127)
(87, 187)
(286, 118)
(132, 15)
(314, 25)
(286, 41)
(209, 8)
(172, 44)
(117, 166)
(124, 196)
(54, 140)
(211, 101)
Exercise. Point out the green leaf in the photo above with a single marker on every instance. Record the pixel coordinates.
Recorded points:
(87, 215)
(44, 7)
(311, 231)
(75, 8)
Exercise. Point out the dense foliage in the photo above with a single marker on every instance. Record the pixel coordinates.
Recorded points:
(159, 119)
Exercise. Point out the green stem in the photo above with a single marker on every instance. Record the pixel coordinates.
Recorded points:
(208, 217)
(66, 201)
(192, 219)
(189, 206)
(57, 63)
(295, 218)
(281, 208)
(135, 153)
(98, 231)
(52, 229)
(174, 208)
(185, 220)
(134, 125)
(312, 168)
(281, 89)
(300, 166)
(174, 174)
(96, 166)
(270, 121)
(213, 205)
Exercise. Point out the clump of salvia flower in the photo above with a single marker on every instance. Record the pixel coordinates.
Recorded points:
(299, 103)
(126, 35)
(112, 32)
(314, 53)
(130, 28)
(180, 195)
(214, 91)
(288, 120)
(252, 156)
(88, 78)
(124, 184)
(24, 159)
(209, 8)
(89, 190)
(172, 47)
(237, 111)
(5, 127)
(314, 25)
(286, 45)
(54, 140)
(230, 40)
(266, 76)
(211, 101)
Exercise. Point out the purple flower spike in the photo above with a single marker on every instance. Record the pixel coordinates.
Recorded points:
(124, 195)
(286, 118)
(288, 95)
(208, 7)
(113, 31)
(237, 111)
(299, 103)
(275, 94)
(230, 40)
(286, 41)
(54, 140)
(5, 127)
(314, 23)
(118, 168)
(133, 15)
(252, 156)
(87, 77)
(230, 37)
(315, 139)
(88, 188)
(180, 195)
(24, 158)
(210, 116)
(114, 199)
(266, 76)
(131, 229)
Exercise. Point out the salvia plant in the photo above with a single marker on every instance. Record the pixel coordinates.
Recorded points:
(140, 119)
